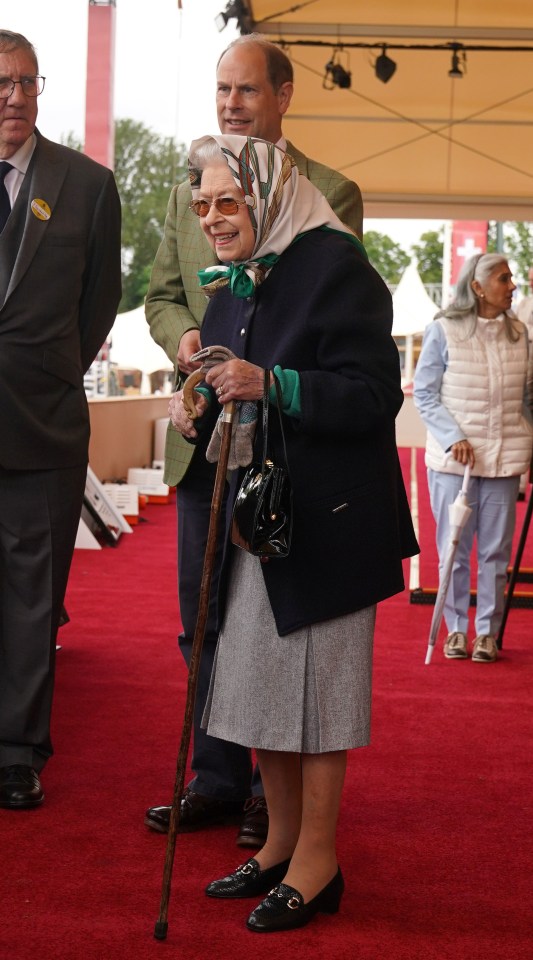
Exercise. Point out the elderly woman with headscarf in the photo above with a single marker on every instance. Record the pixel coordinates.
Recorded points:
(295, 295)
(471, 390)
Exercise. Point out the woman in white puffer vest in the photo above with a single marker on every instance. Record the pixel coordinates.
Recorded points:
(473, 388)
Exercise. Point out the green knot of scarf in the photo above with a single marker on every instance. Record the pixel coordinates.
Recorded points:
(242, 277)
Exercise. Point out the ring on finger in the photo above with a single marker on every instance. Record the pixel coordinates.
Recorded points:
(219, 391)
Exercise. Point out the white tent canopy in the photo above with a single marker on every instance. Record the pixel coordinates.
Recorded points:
(413, 309)
(412, 304)
(132, 346)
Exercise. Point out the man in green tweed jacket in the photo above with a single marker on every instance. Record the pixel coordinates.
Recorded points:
(254, 90)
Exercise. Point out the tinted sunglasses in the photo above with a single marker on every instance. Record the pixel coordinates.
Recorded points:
(227, 206)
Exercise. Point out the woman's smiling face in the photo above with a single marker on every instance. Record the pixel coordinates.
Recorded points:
(230, 235)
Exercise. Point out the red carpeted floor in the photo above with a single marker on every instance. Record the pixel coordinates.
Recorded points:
(435, 827)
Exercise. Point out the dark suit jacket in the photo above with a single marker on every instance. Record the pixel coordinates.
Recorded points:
(59, 292)
(324, 311)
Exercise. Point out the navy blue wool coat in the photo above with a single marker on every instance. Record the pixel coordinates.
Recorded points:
(324, 311)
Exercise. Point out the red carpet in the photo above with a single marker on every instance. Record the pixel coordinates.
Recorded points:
(435, 828)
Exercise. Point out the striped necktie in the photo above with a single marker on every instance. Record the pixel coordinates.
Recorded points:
(5, 206)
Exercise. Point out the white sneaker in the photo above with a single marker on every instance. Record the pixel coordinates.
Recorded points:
(485, 649)
(455, 647)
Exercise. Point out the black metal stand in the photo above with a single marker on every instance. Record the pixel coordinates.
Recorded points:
(516, 566)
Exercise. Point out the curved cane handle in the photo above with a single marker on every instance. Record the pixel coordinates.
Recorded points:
(188, 389)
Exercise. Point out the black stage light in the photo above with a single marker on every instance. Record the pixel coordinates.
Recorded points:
(384, 66)
(336, 76)
(456, 70)
(232, 10)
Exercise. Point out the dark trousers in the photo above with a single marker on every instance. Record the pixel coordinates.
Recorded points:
(222, 769)
(39, 516)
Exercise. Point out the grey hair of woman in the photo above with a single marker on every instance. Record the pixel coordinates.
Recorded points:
(463, 307)
(205, 152)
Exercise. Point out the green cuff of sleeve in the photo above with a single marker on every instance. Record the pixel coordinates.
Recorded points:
(289, 381)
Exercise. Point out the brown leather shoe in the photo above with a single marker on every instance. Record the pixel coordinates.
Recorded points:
(196, 812)
(254, 824)
(20, 787)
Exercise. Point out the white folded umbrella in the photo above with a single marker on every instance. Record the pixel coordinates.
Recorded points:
(459, 512)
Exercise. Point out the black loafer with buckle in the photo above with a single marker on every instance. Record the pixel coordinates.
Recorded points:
(284, 907)
(247, 881)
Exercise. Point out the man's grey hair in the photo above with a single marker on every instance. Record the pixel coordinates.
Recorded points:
(16, 41)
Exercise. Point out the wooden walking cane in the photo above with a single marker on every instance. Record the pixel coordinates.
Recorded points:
(161, 926)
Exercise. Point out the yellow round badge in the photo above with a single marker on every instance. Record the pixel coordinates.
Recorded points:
(40, 209)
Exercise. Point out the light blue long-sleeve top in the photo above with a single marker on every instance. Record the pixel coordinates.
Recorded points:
(429, 372)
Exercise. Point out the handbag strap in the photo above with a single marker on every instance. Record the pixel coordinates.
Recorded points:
(266, 391)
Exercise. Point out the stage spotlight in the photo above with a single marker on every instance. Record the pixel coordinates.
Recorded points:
(232, 10)
(384, 66)
(336, 75)
(457, 59)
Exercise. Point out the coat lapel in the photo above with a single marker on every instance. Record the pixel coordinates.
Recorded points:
(47, 172)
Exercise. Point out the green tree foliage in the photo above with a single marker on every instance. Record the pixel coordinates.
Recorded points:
(146, 168)
(518, 247)
(386, 256)
(428, 253)
(71, 140)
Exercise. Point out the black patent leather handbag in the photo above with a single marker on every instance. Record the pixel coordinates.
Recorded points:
(262, 514)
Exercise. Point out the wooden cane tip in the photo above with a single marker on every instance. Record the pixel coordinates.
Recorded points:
(160, 931)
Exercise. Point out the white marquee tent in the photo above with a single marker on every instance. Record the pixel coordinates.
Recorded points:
(132, 347)
(413, 310)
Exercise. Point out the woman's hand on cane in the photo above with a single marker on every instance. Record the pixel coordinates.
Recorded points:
(179, 416)
(236, 380)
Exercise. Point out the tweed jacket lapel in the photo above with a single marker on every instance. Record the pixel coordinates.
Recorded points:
(47, 173)
(300, 158)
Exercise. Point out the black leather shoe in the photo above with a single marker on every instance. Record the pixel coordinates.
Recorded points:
(247, 881)
(20, 787)
(284, 908)
(254, 824)
(196, 812)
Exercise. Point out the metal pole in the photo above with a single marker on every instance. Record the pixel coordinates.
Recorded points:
(516, 569)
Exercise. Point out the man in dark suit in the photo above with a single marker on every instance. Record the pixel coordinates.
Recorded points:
(59, 291)
(254, 90)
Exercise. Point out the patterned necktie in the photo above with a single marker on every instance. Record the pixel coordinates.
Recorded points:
(5, 206)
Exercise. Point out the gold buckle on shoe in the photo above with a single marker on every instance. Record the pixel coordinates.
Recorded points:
(293, 903)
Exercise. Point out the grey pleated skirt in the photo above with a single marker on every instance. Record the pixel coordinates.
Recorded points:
(307, 692)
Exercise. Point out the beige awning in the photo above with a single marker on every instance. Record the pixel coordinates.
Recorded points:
(423, 144)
